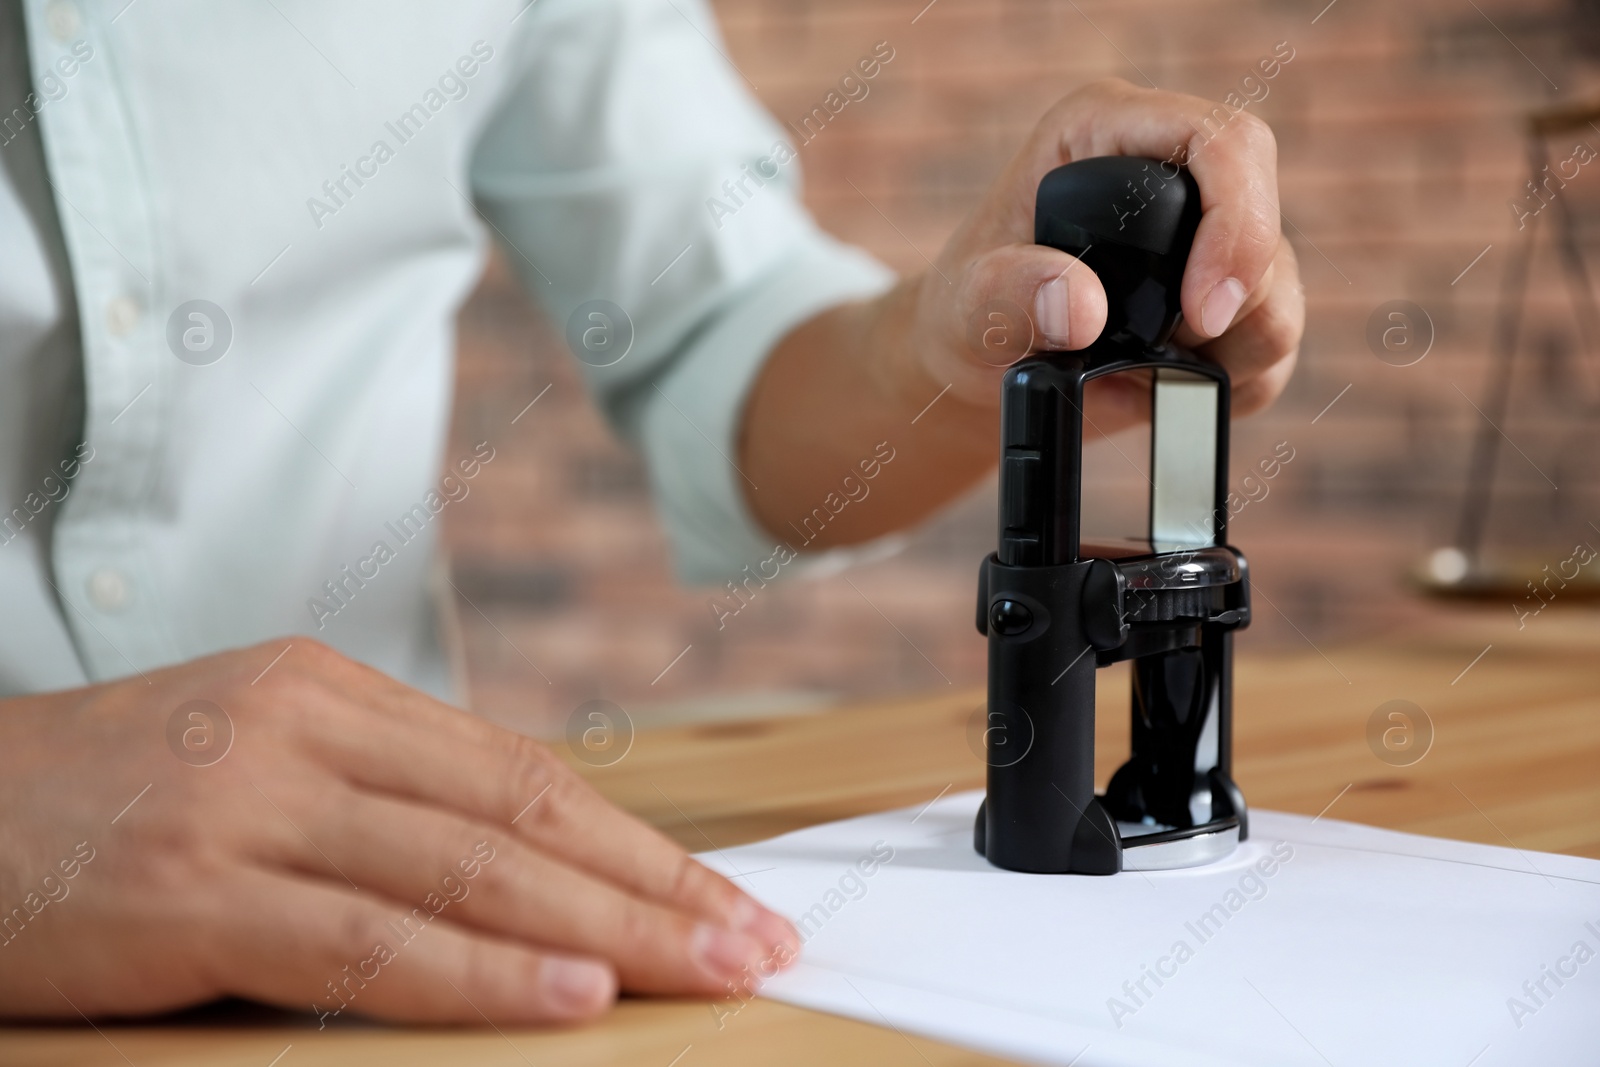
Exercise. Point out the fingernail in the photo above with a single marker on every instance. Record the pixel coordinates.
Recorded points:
(775, 933)
(576, 986)
(1220, 306)
(1050, 312)
(722, 953)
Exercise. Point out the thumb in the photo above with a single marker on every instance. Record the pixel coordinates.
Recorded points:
(1061, 303)
(1012, 301)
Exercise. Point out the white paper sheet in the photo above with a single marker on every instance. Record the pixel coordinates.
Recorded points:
(1360, 947)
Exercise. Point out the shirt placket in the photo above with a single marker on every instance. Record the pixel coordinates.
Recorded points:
(102, 575)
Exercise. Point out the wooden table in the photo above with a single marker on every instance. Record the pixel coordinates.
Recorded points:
(1513, 762)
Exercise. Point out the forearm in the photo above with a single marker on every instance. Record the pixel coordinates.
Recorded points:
(833, 393)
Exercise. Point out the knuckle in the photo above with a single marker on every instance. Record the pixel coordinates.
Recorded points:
(1289, 260)
(982, 279)
(1255, 129)
(303, 656)
(639, 924)
(291, 701)
(1011, 275)
(1279, 324)
(683, 878)
(1286, 267)
(539, 793)
(316, 649)
(498, 881)
(1258, 227)
(527, 749)
(1110, 85)
(482, 964)
(1086, 96)
(170, 852)
(356, 930)
(308, 657)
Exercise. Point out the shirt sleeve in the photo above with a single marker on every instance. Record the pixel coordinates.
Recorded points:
(652, 207)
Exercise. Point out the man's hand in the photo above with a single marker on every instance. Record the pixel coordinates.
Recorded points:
(1242, 302)
(857, 375)
(357, 847)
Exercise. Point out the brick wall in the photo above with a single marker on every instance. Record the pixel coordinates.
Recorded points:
(1399, 130)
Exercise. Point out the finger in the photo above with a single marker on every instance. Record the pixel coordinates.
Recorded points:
(395, 740)
(1264, 388)
(1063, 303)
(1232, 155)
(439, 864)
(1239, 230)
(1269, 327)
(1007, 303)
(1190, 337)
(557, 811)
(295, 941)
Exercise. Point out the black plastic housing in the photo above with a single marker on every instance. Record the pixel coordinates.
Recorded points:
(1055, 609)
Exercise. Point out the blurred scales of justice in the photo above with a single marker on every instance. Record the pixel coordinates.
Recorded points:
(1464, 569)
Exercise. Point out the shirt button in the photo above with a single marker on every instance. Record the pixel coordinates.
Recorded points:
(108, 589)
(62, 19)
(122, 315)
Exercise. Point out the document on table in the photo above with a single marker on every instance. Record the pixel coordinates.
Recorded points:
(1317, 942)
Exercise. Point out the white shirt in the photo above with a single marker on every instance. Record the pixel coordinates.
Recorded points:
(305, 168)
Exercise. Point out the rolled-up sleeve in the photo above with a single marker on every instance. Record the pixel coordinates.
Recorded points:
(630, 165)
